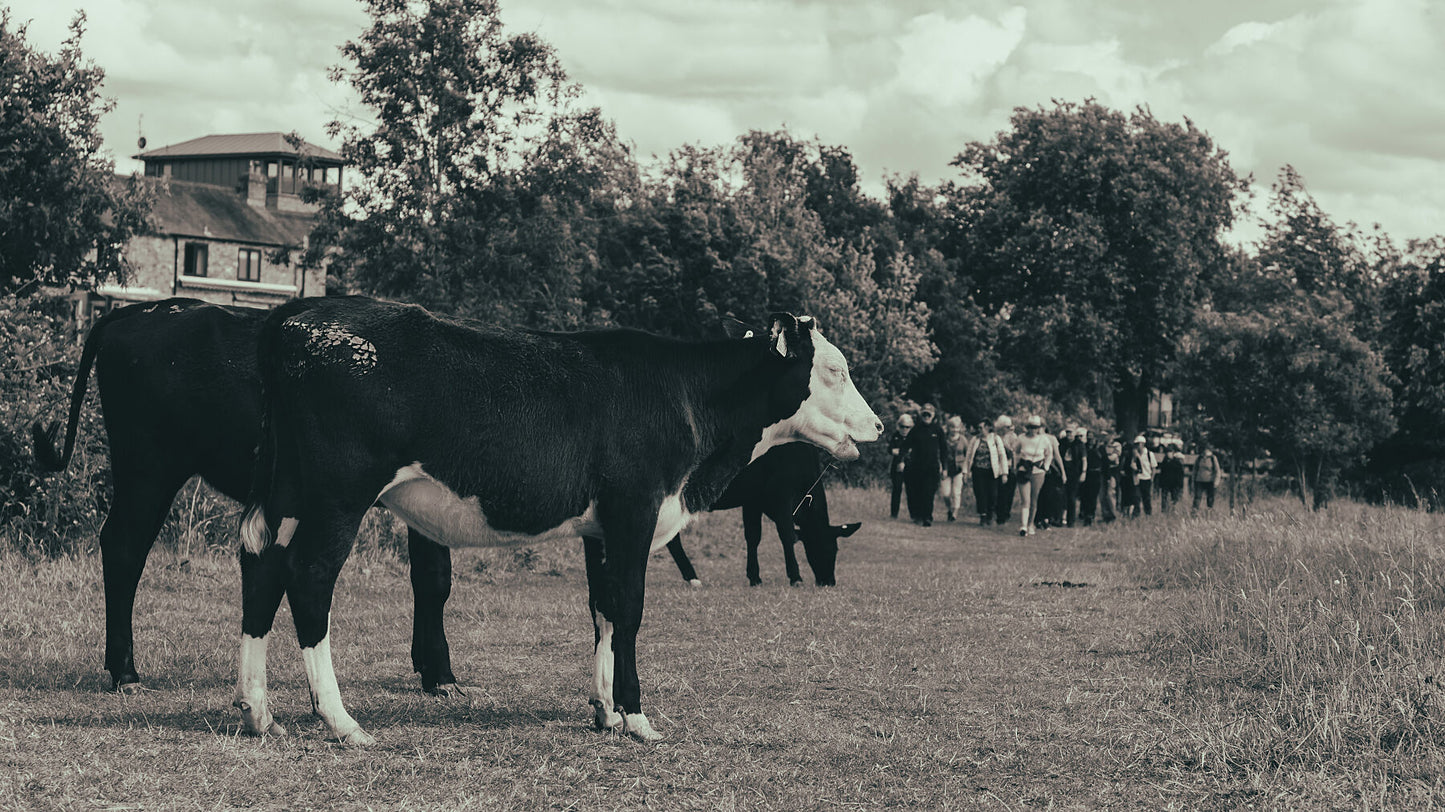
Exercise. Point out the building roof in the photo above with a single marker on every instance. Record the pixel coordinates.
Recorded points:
(213, 212)
(250, 144)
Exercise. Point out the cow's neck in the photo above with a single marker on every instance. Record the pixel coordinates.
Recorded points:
(736, 422)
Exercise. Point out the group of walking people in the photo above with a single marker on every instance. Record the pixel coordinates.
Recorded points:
(1066, 479)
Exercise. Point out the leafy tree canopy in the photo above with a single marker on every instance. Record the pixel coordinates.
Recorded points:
(1090, 231)
(64, 216)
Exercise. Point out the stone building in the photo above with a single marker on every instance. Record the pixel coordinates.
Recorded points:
(230, 223)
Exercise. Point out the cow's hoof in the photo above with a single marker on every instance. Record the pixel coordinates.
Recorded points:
(257, 723)
(798, 582)
(695, 583)
(447, 691)
(131, 689)
(637, 727)
(605, 718)
(755, 582)
(356, 738)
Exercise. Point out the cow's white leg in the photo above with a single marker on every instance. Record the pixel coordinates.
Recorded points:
(603, 708)
(637, 725)
(251, 689)
(326, 695)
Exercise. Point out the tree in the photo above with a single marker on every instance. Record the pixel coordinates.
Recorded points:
(64, 216)
(1408, 464)
(1290, 379)
(1090, 232)
(1304, 249)
(458, 105)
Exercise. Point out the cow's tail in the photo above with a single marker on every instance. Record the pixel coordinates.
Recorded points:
(275, 473)
(44, 436)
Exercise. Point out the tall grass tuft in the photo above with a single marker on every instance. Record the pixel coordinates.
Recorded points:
(1306, 638)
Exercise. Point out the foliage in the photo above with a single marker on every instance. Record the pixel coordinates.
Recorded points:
(44, 512)
(456, 101)
(1089, 232)
(1293, 381)
(1407, 466)
(64, 216)
(1307, 253)
(727, 232)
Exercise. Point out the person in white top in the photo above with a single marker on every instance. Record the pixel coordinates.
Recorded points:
(1035, 456)
(1143, 463)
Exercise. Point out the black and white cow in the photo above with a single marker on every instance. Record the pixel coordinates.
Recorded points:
(181, 397)
(490, 437)
(786, 485)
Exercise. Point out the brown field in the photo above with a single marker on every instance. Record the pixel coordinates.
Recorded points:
(1273, 660)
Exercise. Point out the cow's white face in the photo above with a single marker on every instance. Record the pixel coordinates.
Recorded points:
(834, 416)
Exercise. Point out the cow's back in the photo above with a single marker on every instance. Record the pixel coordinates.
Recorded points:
(529, 422)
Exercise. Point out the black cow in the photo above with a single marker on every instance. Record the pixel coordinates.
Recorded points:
(484, 437)
(786, 485)
(181, 397)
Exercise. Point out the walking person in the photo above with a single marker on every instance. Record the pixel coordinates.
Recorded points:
(1112, 458)
(1092, 483)
(1035, 457)
(1003, 499)
(925, 450)
(986, 464)
(1050, 512)
(897, 461)
(1206, 474)
(1171, 477)
(951, 489)
(1143, 466)
(1076, 466)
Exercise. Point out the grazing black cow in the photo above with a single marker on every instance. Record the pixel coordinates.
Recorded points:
(181, 397)
(489, 437)
(786, 485)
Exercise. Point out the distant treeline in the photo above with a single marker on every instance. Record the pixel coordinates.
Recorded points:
(1076, 262)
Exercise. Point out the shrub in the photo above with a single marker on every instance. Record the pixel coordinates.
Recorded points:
(45, 512)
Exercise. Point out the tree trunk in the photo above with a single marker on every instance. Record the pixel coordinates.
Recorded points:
(1131, 408)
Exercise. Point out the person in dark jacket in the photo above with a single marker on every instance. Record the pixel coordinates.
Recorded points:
(896, 461)
(1075, 454)
(924, 450)
(1171, 478)
(1093, 481)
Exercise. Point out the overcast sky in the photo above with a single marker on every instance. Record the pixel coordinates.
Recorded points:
(1351, 92)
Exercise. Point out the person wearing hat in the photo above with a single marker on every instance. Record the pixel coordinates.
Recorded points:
(1170, 480)
(956, 441)
(897, 461)
(1036, 456)
(1143, 465)
(925, 449)
(1003, 498)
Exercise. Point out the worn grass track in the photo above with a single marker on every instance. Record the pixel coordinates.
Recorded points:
(953, 667)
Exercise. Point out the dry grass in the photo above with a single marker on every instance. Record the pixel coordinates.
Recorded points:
(950, 669)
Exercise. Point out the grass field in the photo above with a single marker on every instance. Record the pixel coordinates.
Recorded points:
(1273, 660)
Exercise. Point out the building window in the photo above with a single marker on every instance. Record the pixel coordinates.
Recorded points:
(248, 266)
(196, 254)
